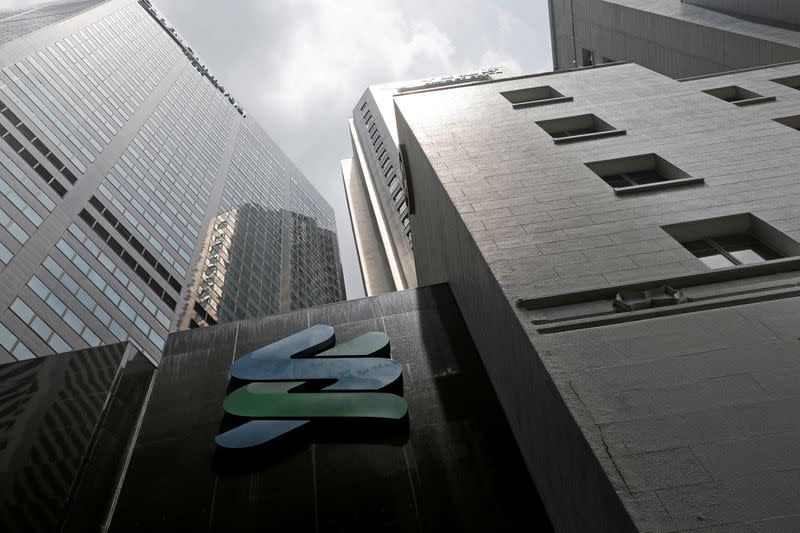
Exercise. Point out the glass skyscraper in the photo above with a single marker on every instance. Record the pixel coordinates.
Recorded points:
(138, 197)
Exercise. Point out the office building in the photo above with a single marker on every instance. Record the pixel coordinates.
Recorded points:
(678, 38)
(138, 197)
(376, 194)
(624, 249)
(151, 464)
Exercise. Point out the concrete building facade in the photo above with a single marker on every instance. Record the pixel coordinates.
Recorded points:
(674, 37)
(624, 249)
(127, 171)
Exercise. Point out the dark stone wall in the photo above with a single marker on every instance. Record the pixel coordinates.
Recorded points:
(66, 422)
(455, 467)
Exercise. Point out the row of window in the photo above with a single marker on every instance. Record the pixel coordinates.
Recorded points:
(45, 332)
(60, 308)
(97, 310)
(134, 221)
(123, 254)
(587, 58)
(719, 247)
(13, 345)
(33, 116)
(26, 156)
(392, 181)
(173, 191)
(29, 185)
(91, 305)
(128, 236)
(91, 78)
(98, 280)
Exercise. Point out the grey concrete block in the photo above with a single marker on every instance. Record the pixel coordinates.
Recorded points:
(660, 470)
(745, 499)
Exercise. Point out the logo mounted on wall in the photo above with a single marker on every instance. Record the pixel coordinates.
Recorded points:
(344, 383)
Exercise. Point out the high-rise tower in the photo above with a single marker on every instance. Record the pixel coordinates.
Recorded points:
(678, 38)
(377, 194)
(137, 196)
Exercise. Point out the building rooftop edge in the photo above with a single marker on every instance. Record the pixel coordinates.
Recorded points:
(737, 71)
(513, 78)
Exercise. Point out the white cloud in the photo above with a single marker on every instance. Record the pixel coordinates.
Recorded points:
(336, 48)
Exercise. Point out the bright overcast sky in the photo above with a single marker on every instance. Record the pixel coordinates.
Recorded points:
(299, 66)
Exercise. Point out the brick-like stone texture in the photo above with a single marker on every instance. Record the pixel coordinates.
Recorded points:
(682, 423)
(674, 37)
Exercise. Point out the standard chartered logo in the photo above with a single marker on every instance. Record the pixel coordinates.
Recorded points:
(306, 377)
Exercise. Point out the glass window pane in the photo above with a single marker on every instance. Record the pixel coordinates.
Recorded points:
(7, 339)
(90, 338)
(716, 261)
(58, 344)
(40, 328)
(22, 352)
(22, 310)
(74, 322)
(102, 316)
(56, 304)
(38, 287)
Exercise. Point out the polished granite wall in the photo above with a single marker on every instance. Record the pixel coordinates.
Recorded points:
(66, 422)
(454, 468)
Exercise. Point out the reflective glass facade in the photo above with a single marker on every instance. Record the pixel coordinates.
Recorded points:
(123, 162)
(272, 246)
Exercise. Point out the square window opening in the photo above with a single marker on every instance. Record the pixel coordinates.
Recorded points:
(793, 82)
(641, 173)
(791, 122)
(579, 127)
(587, 58)
(734, 240)
(534, 96)
(739, 96)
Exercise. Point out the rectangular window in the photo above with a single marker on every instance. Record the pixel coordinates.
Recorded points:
(730, 250)
(587, 58)
(578, 128)
(733, 240)
(793, 82)
(534, 96)
(641, 173)
(791, 122)
(738, 96)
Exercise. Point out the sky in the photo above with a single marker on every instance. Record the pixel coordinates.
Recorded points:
(299, 66)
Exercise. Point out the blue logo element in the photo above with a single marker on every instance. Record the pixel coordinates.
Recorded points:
(343, 381)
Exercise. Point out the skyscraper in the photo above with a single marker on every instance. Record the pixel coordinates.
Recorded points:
(137, 195)
(678, 38)
(624, 248)
(376, 194)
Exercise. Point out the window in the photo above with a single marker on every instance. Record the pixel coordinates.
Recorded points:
(587, 58)
(793, 82)
(534, 96)
(792, 121)
(738, 96)
(608, 60)
(731, 250)
(641, 173)
(578, 128)
(734, 240)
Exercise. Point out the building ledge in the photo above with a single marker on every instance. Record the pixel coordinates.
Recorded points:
(537, 103)
(589, 136)
(633, 189)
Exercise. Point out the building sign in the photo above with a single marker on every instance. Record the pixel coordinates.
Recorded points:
(455, 79)
(306, 376)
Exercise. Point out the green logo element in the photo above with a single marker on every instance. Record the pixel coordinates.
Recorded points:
(305, 377)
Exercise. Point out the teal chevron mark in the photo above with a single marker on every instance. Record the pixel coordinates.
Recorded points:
(306, 358)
